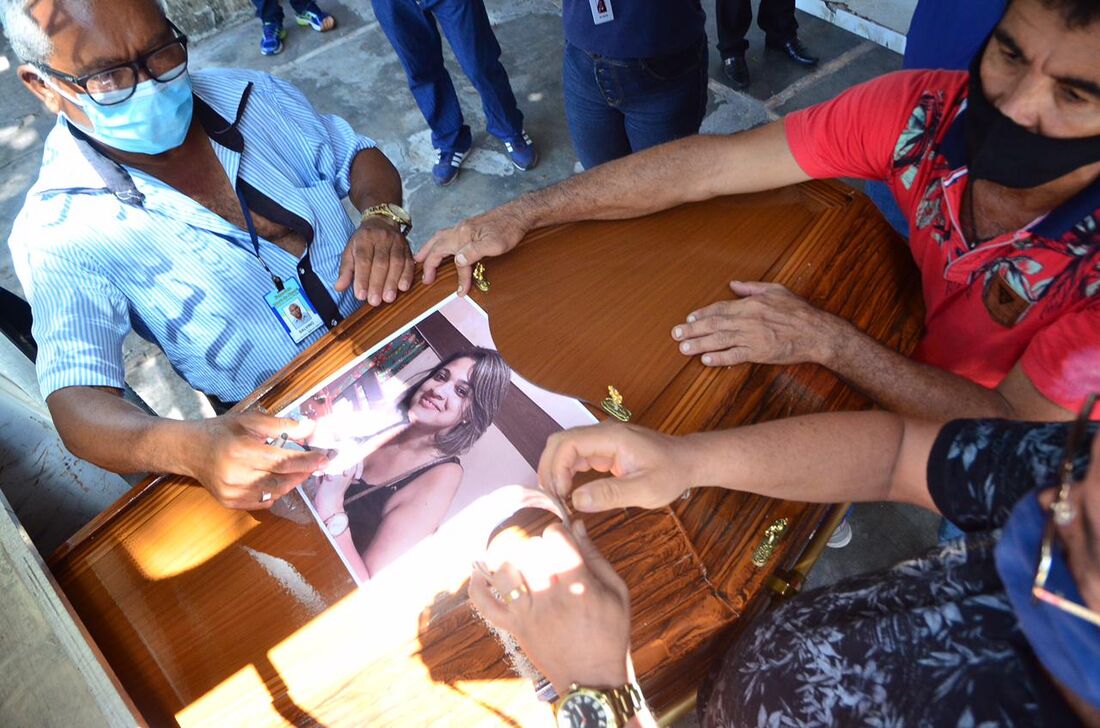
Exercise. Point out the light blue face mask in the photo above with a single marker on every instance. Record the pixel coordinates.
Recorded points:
(152, 121)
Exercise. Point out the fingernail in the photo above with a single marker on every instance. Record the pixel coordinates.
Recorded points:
(460, 259)
(581, 500)
(685, 348)
(708, 359)
(677, 333)
(691, 319)
(389, 296)
(459, 290)
(330, 454)
(360, 294)
(374, 300)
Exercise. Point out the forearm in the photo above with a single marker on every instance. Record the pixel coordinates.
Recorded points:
(826, 458)
(686, 170)
(906, 386)
(99, 426)
(374, 180)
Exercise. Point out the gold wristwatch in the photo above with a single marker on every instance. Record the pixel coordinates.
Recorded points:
(591, 707)
(393, 212)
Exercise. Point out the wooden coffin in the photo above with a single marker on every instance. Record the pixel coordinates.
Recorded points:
(201, 630)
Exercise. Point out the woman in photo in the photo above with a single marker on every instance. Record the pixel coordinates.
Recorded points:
(399, 493)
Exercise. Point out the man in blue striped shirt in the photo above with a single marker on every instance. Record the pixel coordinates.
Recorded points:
(197, 210)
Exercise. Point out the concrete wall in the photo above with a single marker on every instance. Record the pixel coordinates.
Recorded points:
(198, 18)
(881, 21)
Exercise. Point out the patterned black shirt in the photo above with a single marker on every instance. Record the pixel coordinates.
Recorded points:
(931, 641)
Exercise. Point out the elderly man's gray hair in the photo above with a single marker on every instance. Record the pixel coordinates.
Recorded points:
(27, 38)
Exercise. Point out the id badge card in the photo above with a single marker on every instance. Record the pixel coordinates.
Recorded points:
(294, 311)
(601, 11)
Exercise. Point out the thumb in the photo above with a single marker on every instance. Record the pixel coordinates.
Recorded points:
(347, 269)
(269, 427)
(595, 560)
(467, 255)
(603, 495)
(750, 288)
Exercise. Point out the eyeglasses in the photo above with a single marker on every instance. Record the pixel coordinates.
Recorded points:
(1062, 513)
(116, 84)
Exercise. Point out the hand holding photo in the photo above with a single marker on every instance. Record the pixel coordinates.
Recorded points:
(425, 424)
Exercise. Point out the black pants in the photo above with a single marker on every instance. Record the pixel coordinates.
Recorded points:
(775, 18)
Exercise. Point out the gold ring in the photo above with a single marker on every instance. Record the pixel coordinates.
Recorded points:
(513, 595)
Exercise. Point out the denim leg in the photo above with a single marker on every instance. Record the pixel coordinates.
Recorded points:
(466, 25)
(666, 104)
(413, 34)
(269, 11)
(884, 200)
(300, 6)
(595, 122)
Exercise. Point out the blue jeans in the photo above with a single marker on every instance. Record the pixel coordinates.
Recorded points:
(884, 200)
(618, 106)
(412, 30)
(271, 11)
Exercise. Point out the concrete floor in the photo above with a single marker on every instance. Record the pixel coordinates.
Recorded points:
(353, 72)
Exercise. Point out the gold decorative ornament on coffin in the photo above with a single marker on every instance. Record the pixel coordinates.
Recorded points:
(480, 280)
(613, 405)
(773, 534)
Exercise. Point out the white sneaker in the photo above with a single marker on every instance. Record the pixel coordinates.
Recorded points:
(842, 536)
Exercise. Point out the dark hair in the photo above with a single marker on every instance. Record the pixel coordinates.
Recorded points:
(489, 380)
(1075, 13)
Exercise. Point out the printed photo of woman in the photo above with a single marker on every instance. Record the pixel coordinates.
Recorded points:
(399, 492)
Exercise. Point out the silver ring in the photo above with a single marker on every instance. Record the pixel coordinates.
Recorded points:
(264, 496)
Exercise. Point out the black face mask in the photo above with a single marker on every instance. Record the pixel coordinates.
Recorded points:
(1006, 153)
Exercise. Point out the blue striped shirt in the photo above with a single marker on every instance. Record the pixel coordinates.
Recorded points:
(94, 264)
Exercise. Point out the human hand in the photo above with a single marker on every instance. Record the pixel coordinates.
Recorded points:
(232, 459)
(767, 325)
(564, 604)
(492, 233)
(331, 488)
(649, 469)
(378, 260)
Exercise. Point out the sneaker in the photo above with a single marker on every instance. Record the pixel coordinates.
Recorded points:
(842, 536)
(272, 41)
(446, 169)
(522, 152)
(316, 18)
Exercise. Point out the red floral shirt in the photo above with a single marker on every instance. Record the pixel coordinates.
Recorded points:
(1031, 296)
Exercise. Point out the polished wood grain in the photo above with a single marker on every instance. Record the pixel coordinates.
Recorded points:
(210, 616)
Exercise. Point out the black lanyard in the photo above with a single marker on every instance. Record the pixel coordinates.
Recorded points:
(310, 283)
(256, 239)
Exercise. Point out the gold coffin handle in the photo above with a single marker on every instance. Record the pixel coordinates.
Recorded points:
(785, 584)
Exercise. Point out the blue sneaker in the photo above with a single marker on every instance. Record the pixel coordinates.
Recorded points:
(272, 42)
(446, 169)
(522, 152)
(316, 18)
